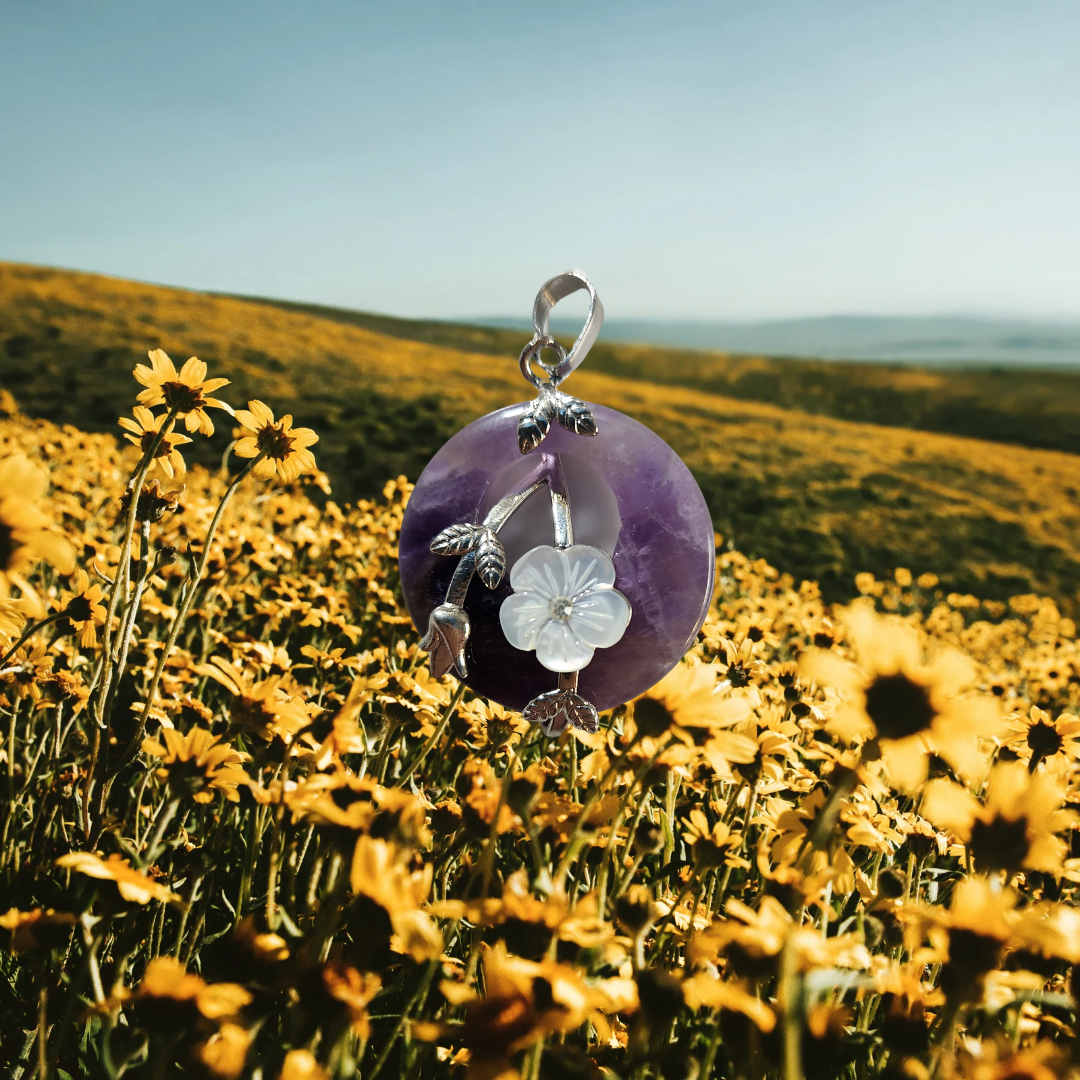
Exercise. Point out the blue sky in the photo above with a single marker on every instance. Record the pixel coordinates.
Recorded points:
(700, 160)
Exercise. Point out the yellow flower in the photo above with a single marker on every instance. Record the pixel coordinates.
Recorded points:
(225, 1053)
(1015, 828)
(27, 671)
(379, 872)
(82, 608)
(263, 707)
(355, 991)
(186, 392)
(165, 980)
(285, 447)
(143, 430)
(902, 705)
(37, 929)
(25, 537)
(686, 702)
(131, 884)
(1035, 738)
(301, 1065)
(714, 846)
(198, 764)
(980, 921)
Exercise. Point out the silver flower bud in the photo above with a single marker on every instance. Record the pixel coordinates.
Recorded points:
(448, 630)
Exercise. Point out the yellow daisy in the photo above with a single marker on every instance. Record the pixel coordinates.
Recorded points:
(1036, 737)
(25, 536)
(185, 392)
(144, 429)
(285, 447)
(903, 705)
(82, 608)
(1017, 826)
(198, 763)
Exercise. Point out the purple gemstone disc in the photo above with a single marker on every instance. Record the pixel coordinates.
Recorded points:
(630, 495)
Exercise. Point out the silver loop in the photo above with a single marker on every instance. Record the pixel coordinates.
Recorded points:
(551, 292)
(532, 351)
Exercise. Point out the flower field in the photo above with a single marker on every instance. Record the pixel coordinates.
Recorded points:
(243, 833)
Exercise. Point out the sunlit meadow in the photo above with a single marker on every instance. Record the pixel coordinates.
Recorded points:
(244, 834)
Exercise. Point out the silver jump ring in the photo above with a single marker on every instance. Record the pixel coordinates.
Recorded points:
(532, 351)
(551, 292)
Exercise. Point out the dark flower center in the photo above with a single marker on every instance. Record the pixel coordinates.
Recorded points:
(898, 706)
(79, 609)
(652, 718)
(706, 853)
(182, 398)
(971, 954)
(1043, 738)
(738, 676)
(273, 441)
(1000, 844)
(8, 547)
(165, 447)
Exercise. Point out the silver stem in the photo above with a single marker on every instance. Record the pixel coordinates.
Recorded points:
(568, 680)
(459, 583)
(560, 502)
(500, 513)
(560, 515)
(496, 518)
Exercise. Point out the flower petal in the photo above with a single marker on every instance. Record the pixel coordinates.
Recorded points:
(543, 571)
(587, 568)
(558, 648)
(600, 617)
(522, 616)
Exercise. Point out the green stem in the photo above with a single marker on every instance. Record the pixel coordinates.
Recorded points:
(120, 580)
(435, 736)
(194, 579)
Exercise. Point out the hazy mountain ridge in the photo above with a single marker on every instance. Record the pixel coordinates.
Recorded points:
(928, 340)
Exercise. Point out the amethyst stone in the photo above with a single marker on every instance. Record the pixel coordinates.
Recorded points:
(630, 495)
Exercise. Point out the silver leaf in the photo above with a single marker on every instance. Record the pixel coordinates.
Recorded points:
(581, 713)
(533, 426)
(544, 707)
(490, 559)
(576, 416)
(457, 539)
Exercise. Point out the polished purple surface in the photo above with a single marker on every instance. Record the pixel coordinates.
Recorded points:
(663, 551)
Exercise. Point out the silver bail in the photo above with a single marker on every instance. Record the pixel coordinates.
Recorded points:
(551, 292)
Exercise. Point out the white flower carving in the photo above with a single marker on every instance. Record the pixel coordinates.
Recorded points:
(564, 606)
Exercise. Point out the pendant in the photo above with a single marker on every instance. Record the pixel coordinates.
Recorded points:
(557, 555)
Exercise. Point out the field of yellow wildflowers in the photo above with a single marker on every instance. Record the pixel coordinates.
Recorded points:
(244, 834)
(792, 471)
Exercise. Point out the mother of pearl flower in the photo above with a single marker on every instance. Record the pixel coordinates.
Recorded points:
(564, 605)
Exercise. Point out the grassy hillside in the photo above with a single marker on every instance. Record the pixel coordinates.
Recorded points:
(1004, 404)
(821, 497)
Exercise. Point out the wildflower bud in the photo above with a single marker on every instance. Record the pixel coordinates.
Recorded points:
(648, 839)
(873, 931)
(635, 911)
(445, 818)
(153, 502)
(891, 884)
(522, 795)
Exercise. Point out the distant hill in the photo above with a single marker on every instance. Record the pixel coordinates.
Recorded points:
(945, 340)
(1016, 404)
(821, 497)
